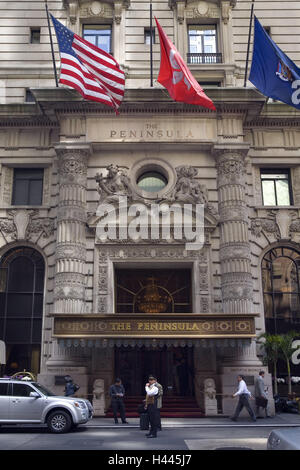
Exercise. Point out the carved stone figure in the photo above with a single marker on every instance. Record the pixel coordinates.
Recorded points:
(210, 402)
(188, 189)
(98, 397)
(114, 185)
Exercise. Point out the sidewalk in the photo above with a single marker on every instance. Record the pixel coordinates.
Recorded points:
(279, 420)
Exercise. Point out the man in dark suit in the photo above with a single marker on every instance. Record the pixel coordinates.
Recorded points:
(261, 399)
(117, 392)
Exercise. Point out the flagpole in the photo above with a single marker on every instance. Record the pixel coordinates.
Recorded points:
(151, 49)
(51, 42)
(248, 47)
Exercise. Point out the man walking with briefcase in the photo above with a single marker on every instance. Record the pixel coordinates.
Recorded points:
(261, 400)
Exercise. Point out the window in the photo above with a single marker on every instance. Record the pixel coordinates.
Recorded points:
(21, 390)
(3, 389)
(147, 36)
(276, 187)
(35, 35)
(153, 291)
(22, 273)
(99, 35)
(152, 182)
(281, 289)
(29, 98)
(202, 41)
(28, 187)
(210, 84)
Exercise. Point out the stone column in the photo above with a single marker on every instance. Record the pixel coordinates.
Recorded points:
(235, 257)
(70, 259)
(69, 290)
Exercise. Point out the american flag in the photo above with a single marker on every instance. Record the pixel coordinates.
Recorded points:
(94, 73)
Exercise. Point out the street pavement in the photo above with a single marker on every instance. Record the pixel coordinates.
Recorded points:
(101, 434)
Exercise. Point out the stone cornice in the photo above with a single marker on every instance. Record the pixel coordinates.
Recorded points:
(51, 103)
(243, 101)
(23, 115)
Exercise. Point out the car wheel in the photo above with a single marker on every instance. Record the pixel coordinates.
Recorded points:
(59, 422)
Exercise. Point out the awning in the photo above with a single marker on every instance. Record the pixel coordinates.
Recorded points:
(164, 329)
(221, 344)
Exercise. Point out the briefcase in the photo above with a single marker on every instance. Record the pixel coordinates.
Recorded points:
(261, 401)
(144, 421)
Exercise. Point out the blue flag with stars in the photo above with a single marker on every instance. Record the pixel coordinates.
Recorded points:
(272, 72)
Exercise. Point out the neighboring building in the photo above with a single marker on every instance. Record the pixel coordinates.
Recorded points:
(73, 304)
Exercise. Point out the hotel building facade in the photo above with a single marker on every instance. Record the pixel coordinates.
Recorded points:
(73, 303)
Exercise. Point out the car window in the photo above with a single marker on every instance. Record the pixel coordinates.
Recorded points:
(43, 389)
(21, 390)
(3, 389)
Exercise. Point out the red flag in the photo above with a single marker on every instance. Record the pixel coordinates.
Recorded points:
(175, 76)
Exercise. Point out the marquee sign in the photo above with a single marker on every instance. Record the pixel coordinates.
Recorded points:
(154, 326)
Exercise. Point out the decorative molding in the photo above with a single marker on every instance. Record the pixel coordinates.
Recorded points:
(281, 224)
(7, 185)
(23, 224)
(202, 9)
(187, 189)
(7, 226)
(106, 255)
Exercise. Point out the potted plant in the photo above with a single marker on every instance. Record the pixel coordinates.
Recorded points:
(271, 345)
(286, 351)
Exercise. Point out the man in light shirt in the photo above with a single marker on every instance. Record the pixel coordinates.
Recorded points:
(151, 406)
(244, 395)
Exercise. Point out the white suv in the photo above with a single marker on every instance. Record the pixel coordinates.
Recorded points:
(30, 402)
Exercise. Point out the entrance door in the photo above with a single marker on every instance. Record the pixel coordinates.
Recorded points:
(173, 368)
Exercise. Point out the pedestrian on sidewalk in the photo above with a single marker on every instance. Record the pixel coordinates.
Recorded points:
(261, 399)
(70, 387)
(244, 395)
(117, 393)
(151, 406)
(159, 400)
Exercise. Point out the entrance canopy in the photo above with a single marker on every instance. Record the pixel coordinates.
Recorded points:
(154, 330)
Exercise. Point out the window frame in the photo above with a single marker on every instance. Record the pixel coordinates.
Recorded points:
(276, 171)
(208, 25)
(17, 178)
(106, 26)
(33, 318)
(147, 35)
(267, 265)
(35, 29)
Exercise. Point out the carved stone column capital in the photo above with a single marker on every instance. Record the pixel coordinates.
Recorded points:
(230, 162)
(69, 292)
(72, 162)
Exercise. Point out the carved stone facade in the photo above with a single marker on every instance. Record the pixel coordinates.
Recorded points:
(90, 156)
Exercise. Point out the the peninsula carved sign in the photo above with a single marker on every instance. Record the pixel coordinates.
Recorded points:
(158, 326)
(132, 130)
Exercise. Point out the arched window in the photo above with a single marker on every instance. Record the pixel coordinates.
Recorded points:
(281, 289)
(22, 273)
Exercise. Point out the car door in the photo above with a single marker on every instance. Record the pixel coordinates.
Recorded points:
(4, 401)
(24, 408)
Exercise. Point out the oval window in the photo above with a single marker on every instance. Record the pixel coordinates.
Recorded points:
(152, 182)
